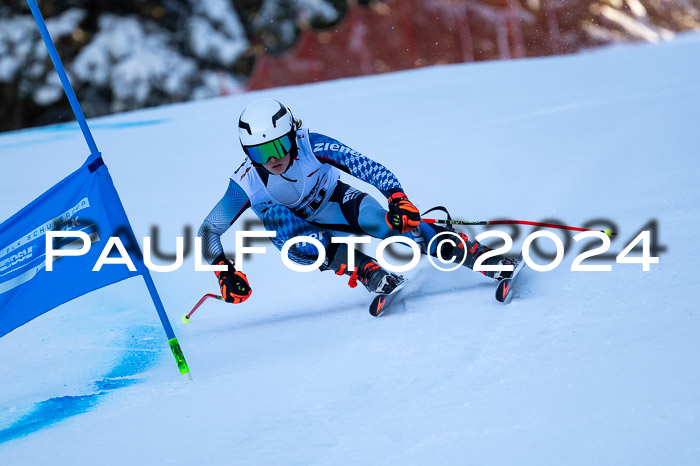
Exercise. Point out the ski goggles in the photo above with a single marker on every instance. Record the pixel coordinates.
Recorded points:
(277, 149)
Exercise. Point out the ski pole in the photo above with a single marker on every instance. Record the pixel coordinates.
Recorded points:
(513, 222)
(186, 317)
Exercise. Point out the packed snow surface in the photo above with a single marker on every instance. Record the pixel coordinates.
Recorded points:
(580, 368)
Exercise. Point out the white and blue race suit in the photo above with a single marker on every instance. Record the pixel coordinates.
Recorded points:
(308, 199)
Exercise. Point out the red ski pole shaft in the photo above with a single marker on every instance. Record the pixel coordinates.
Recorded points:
(186, 317)
(513, 222)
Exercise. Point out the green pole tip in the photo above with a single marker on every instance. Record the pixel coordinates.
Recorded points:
(185, 319)
(179, 357)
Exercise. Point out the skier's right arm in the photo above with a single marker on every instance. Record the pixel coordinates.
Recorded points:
(234, 284)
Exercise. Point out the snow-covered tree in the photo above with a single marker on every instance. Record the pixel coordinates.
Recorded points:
(136, 53)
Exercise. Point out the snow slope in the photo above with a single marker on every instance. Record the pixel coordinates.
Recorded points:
(580, 368)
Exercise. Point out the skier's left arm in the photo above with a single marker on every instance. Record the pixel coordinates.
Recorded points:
(403, 216)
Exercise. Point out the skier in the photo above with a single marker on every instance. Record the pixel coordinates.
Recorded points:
(291, 180)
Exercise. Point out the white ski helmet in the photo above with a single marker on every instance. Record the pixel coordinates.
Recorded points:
(266, 130)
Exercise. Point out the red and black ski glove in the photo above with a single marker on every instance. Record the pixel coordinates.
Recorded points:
(403, 216)
(234, 284)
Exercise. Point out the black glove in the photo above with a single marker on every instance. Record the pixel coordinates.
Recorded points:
(234, 285)
(403, 216)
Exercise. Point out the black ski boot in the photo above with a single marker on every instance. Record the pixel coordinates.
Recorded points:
(472, 250)
(368, 272)
(376, 279)
(504, 274)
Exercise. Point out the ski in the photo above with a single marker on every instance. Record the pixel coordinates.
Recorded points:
(382, 302)
(504, 290)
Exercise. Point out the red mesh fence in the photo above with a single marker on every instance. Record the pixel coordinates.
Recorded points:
(401, 34)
